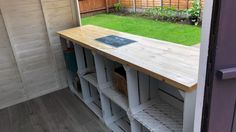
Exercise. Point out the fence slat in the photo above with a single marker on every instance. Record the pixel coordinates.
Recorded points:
(178, 4)
(87, 6)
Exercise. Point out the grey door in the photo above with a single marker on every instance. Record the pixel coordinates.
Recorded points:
(220, 96)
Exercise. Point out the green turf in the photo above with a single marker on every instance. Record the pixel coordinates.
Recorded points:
(177, 33)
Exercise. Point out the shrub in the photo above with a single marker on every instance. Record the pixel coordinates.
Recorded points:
(195, 10)
(166, 13)
(117, 7)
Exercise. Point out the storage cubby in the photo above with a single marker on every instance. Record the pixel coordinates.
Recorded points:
(115, 92)
(94, 102)
(114, 103)
(121, 125)
(71, 72)
(148, 104)
(90, 94)
(85, 63)
(160, 116)
(105, 67)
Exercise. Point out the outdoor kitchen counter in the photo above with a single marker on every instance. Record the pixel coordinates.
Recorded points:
(176, 65)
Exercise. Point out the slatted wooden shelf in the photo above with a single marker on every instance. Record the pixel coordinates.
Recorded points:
(121, 125)
(160, 117)
(72, 87)
(91, 78)
(117, 97)
(95, 106)
(83, 71)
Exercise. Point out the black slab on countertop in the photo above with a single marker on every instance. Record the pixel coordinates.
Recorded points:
(115, 41)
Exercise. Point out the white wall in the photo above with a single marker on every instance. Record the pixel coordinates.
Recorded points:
(11, 88)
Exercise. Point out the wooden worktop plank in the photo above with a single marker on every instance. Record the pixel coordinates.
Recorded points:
(175, 64)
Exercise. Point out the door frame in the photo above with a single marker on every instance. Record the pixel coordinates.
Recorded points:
(204, 48)
(220, 92)
(77, 11)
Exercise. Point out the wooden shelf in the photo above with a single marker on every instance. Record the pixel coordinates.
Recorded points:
(95, 106)
(121, 125)
(82, 72)
(160, 117)
(93, 103)
(117, 97)
(92, 79)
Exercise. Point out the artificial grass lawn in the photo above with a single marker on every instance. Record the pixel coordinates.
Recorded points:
(177, 33)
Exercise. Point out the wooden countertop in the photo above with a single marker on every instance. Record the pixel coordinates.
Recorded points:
(174, 64)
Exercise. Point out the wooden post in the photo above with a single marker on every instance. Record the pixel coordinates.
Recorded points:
(187, 4)
(178, 4)
(133, 94)
(134, 5)
(78, 13)
(107, 6)
(161, 3)
(189, 111)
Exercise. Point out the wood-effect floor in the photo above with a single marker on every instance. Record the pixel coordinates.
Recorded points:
(60, 111)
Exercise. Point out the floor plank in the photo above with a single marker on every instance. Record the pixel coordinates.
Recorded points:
(20, 118)
(40, 118)
(5, 121)
(74, 106)
(60, 111)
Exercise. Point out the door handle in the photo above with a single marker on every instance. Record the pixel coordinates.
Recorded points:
(228, 73)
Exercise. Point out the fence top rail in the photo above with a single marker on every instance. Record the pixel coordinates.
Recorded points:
(174, 64)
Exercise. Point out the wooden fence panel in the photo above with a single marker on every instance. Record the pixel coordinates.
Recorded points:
(147, 3)
(94, 5)
(178, 4)
(126, 3)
